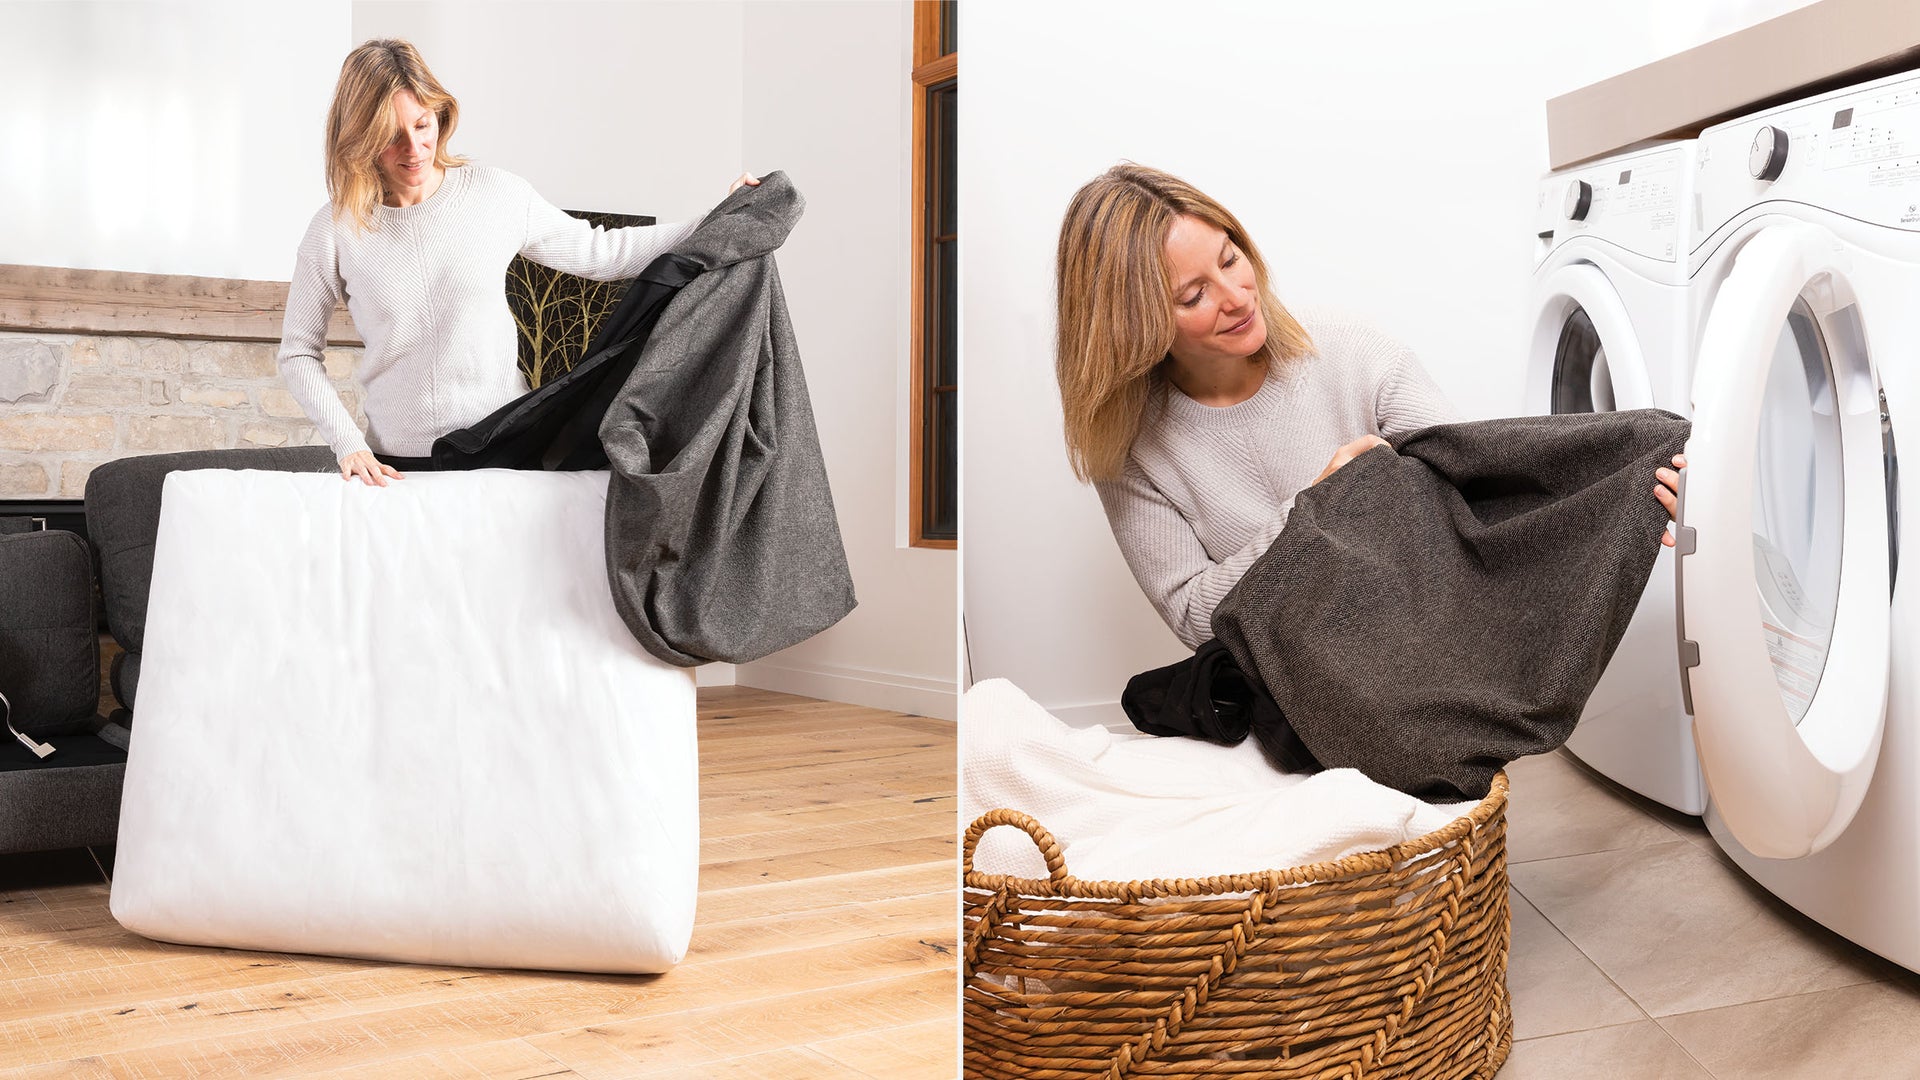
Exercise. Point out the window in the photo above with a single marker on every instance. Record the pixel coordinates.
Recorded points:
(934, 488)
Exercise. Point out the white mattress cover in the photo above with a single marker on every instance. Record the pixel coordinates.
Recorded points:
(405, 723)
(1127, 806)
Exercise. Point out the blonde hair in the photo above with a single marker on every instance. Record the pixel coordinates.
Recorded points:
(1115, 307)
(362, 122)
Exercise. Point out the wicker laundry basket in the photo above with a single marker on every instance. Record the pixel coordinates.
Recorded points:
(1385, 964)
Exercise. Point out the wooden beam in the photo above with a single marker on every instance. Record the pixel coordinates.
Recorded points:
(61, 300)
(1808, 51)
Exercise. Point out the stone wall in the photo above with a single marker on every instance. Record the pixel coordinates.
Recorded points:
(71, 401)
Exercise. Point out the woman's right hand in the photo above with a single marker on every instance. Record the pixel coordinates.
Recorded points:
(1348, 452)
(369, 469)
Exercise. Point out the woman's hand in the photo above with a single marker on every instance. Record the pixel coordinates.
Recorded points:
(1348, 452)
(746, 179)
(369, 469)
(1668, 492)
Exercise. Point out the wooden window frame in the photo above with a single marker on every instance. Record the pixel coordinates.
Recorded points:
(930, 69)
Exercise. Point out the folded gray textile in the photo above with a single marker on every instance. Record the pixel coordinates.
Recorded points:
(1431, 614)
(721, 538)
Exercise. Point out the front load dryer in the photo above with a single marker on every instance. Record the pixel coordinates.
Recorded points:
(1612, 328)
(1798, 627)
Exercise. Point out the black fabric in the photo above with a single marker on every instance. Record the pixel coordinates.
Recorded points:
(123, 518)
(49, 649)
(556, 427)
(1431, 614)
(1207, 696)
(722, 542)
(72, 750)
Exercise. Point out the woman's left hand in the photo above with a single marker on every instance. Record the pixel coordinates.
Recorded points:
(746, 179)
(1668, 492)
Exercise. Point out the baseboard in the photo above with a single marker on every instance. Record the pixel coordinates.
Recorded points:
(716, 675)
(856, 686)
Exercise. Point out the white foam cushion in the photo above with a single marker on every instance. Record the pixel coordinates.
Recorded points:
(405, 723)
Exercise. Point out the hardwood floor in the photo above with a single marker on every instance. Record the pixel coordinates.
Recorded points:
(824, 946)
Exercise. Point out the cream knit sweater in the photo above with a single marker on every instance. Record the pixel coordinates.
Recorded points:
(1205, 490)
(427, 291)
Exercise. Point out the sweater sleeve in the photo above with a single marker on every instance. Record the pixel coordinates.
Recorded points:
(572, 245)
(311, 296)
(1407, 398)
(1167, 558)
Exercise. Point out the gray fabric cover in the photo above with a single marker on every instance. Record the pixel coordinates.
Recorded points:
(721, 538)
(123, 517)
(1429, 615)
(49, 649)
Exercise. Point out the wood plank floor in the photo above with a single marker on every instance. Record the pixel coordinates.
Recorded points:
(824, 946)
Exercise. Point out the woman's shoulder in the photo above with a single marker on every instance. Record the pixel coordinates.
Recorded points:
(490, 178)
(1341, 334)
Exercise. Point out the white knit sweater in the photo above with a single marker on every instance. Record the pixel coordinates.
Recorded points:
(1205, 490)
(427, 291)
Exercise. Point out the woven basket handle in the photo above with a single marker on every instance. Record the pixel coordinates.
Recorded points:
(1042, 839)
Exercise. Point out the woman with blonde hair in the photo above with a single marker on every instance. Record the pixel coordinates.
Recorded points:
(1195, 402)
(418, 240)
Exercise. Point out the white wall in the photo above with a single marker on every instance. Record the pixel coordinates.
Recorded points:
(624, 107)
(827, 101)
(179, 138)
(1384, 156)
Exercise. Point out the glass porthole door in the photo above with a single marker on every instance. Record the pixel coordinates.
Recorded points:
(1783, 574)
(1586, 355)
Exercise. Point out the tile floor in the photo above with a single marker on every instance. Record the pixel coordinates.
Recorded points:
(1640, 951)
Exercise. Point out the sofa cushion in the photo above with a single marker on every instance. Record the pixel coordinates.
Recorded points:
(70, 799)
(49, 650)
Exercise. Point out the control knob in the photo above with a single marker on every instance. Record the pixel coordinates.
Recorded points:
(1579, 200)
(1768, 155)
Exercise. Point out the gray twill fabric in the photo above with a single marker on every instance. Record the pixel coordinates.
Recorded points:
(1430, 615)
(721, 538)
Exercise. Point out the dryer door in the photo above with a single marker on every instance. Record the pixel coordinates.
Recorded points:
(1585, 356)
(1783, 574)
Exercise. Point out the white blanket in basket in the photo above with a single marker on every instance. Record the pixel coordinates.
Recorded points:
(1127, 806)
(405, 723)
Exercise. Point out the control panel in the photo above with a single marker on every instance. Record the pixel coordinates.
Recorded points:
(1633, 201)
(1855, 152)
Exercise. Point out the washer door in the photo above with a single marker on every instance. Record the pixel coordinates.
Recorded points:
(1783, 574)
(1585, 356)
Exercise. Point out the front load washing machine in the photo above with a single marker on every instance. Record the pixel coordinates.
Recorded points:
(1613, 328)
(1798, 628)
